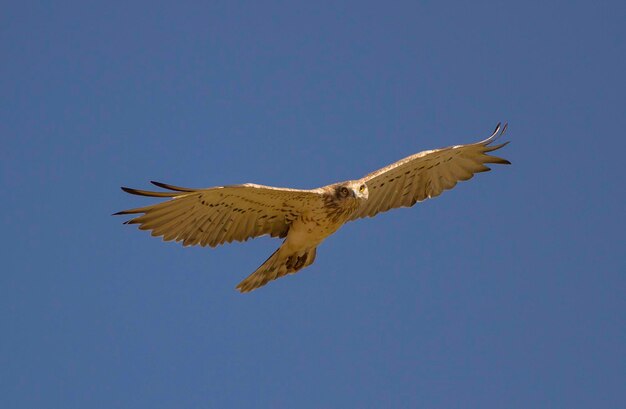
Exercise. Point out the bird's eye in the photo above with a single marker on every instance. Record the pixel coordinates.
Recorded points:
(362, 188)
(344, 191)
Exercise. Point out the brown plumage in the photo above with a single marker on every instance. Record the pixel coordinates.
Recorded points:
(304, 218)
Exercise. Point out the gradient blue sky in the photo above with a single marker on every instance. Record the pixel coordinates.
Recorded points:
(507, 292)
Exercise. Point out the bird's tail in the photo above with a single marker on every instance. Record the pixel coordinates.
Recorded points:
(279, 264)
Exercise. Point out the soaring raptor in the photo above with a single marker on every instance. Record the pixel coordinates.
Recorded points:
(304, 218)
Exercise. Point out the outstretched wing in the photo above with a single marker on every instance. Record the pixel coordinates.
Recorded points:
(221, 214)
(427, 174)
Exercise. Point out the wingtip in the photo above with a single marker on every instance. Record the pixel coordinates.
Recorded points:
(504, 128)
(496, 134)
(171, 187)
(498, 160)
(495, 131)
(148, 193)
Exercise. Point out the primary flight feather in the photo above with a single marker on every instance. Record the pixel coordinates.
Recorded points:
(304, 218)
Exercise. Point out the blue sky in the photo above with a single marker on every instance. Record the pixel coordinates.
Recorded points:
(507, 291)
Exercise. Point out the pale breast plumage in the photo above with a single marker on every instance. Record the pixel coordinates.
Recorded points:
(214, 216)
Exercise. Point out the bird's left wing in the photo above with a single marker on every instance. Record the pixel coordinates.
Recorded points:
(222, 214)
(427, 174)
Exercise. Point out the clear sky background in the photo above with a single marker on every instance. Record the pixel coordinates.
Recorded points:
(506, 292)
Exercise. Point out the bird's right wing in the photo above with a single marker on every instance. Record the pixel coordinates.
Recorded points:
(221, 214)
(427, 174)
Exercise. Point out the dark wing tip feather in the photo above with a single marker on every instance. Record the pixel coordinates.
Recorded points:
(171, 187)
(491, 148)
(504, 128)
(141, 193)
(121, 213)
(131, 211)
(498, 160)
(147, 193)
(497, 133)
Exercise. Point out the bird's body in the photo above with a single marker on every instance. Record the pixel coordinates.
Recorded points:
(304, 218)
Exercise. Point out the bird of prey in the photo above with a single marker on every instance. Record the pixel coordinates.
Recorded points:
(304, 218)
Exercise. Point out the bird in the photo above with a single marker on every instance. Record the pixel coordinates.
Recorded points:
(304, 218)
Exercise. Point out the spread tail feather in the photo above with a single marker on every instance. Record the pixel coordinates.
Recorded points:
(279, 264)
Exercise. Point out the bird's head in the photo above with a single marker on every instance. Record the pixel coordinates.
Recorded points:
(355, 190)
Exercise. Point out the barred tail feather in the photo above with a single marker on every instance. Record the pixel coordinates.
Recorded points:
(279, 264)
